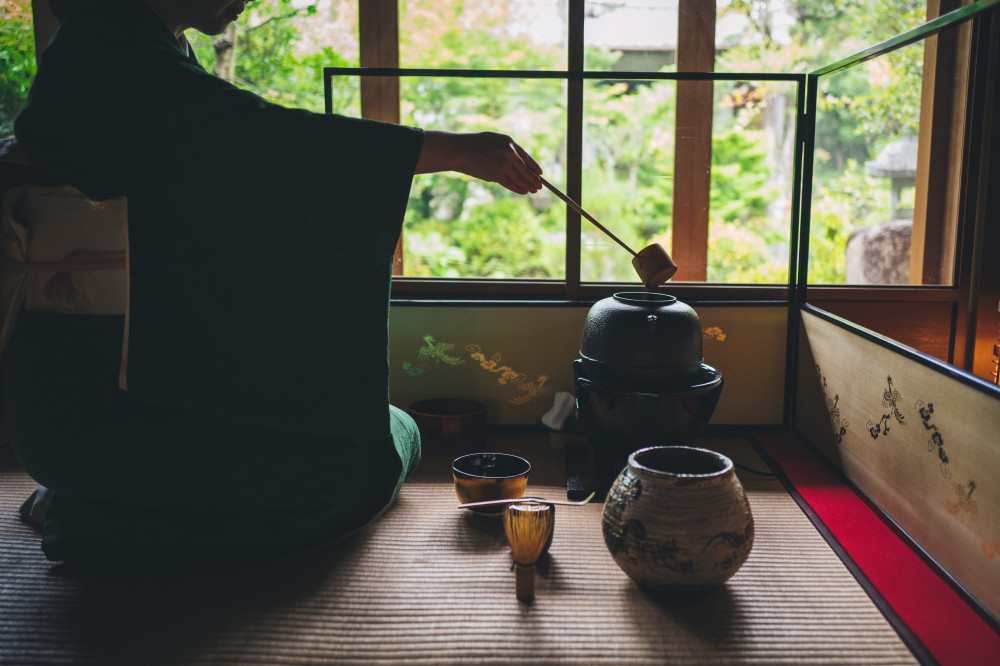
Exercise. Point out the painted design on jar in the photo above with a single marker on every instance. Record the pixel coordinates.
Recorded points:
(676, 518)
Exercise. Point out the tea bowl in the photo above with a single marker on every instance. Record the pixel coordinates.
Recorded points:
(481, 477)
(450, 425)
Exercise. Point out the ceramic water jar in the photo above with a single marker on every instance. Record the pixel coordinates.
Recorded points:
(677, 519)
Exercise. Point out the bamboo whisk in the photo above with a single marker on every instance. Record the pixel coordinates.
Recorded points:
(528, 526)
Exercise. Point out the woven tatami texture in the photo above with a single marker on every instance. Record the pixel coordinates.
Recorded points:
(432, 585)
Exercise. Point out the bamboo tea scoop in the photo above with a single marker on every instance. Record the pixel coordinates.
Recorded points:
(653, 264)
(528, 526)
(521, 500)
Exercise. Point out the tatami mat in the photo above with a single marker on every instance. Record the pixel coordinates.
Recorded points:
(430, 584)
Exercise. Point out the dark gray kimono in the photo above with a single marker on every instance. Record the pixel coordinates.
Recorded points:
(260, 245)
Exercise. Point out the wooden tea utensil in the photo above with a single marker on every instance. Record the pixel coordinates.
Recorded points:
(523, 500)
(528, 526)
(653, 264)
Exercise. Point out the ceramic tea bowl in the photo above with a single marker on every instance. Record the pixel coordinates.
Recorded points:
(481, 477)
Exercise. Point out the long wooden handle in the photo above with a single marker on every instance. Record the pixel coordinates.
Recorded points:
(575, 206)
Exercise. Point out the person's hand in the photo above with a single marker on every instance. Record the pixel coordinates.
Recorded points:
(497, 158)
(489, 156)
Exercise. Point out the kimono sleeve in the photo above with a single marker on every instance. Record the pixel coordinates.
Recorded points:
(260, 249)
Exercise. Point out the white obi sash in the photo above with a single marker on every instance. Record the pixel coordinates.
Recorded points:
(62, 252)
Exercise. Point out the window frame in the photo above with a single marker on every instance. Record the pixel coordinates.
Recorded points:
(957, 151)
(379, 75)
(974, 296)
(956, 156)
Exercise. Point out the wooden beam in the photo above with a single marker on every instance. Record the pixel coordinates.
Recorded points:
(693, 140)
(378, 34)
(983, 334)
(378, 30)
(940, 151)
(574, 146)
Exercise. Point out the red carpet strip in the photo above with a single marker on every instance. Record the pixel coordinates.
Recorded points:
(947, 628)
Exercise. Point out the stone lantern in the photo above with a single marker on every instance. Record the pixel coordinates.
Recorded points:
(898, 162)
(880, 253)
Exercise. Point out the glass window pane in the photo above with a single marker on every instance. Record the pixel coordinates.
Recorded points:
(773, 36)
(483, 34)
(869, 126)
(753, 169)
(345, 94)
(777, 36)
(17, 61)
(460, 227)
(281, 48)
(628, 168)
(628, 165)
(630, 35)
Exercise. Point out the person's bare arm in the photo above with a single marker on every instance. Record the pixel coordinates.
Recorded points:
(488, 156)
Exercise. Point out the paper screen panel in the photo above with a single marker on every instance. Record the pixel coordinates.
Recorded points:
(918, 441)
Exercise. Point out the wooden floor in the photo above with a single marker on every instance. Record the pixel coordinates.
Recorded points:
(430, 584)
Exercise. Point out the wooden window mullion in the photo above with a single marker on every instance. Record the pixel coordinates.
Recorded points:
(378, 33)
(574, 146)
(939, 154)
(693, 140)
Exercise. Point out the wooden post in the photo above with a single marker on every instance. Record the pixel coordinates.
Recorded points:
(939, 155)
(693, 140)
(574, 146)
(378, 33)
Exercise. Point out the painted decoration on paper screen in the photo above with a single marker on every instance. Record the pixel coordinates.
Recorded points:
(936, 441)
(434, 352)
(839, 423)
(713, 333)
(891, 398)
(963, 504)
(505, 374)
(438, 351)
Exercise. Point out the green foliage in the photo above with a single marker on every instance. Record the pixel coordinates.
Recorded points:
(17, 61)
(628, 173)
(503, 238)
(838, 29)
(456, 227)
(740, 187)
(743, 245)
(267, 62)
(846, 201)
(860, 110)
